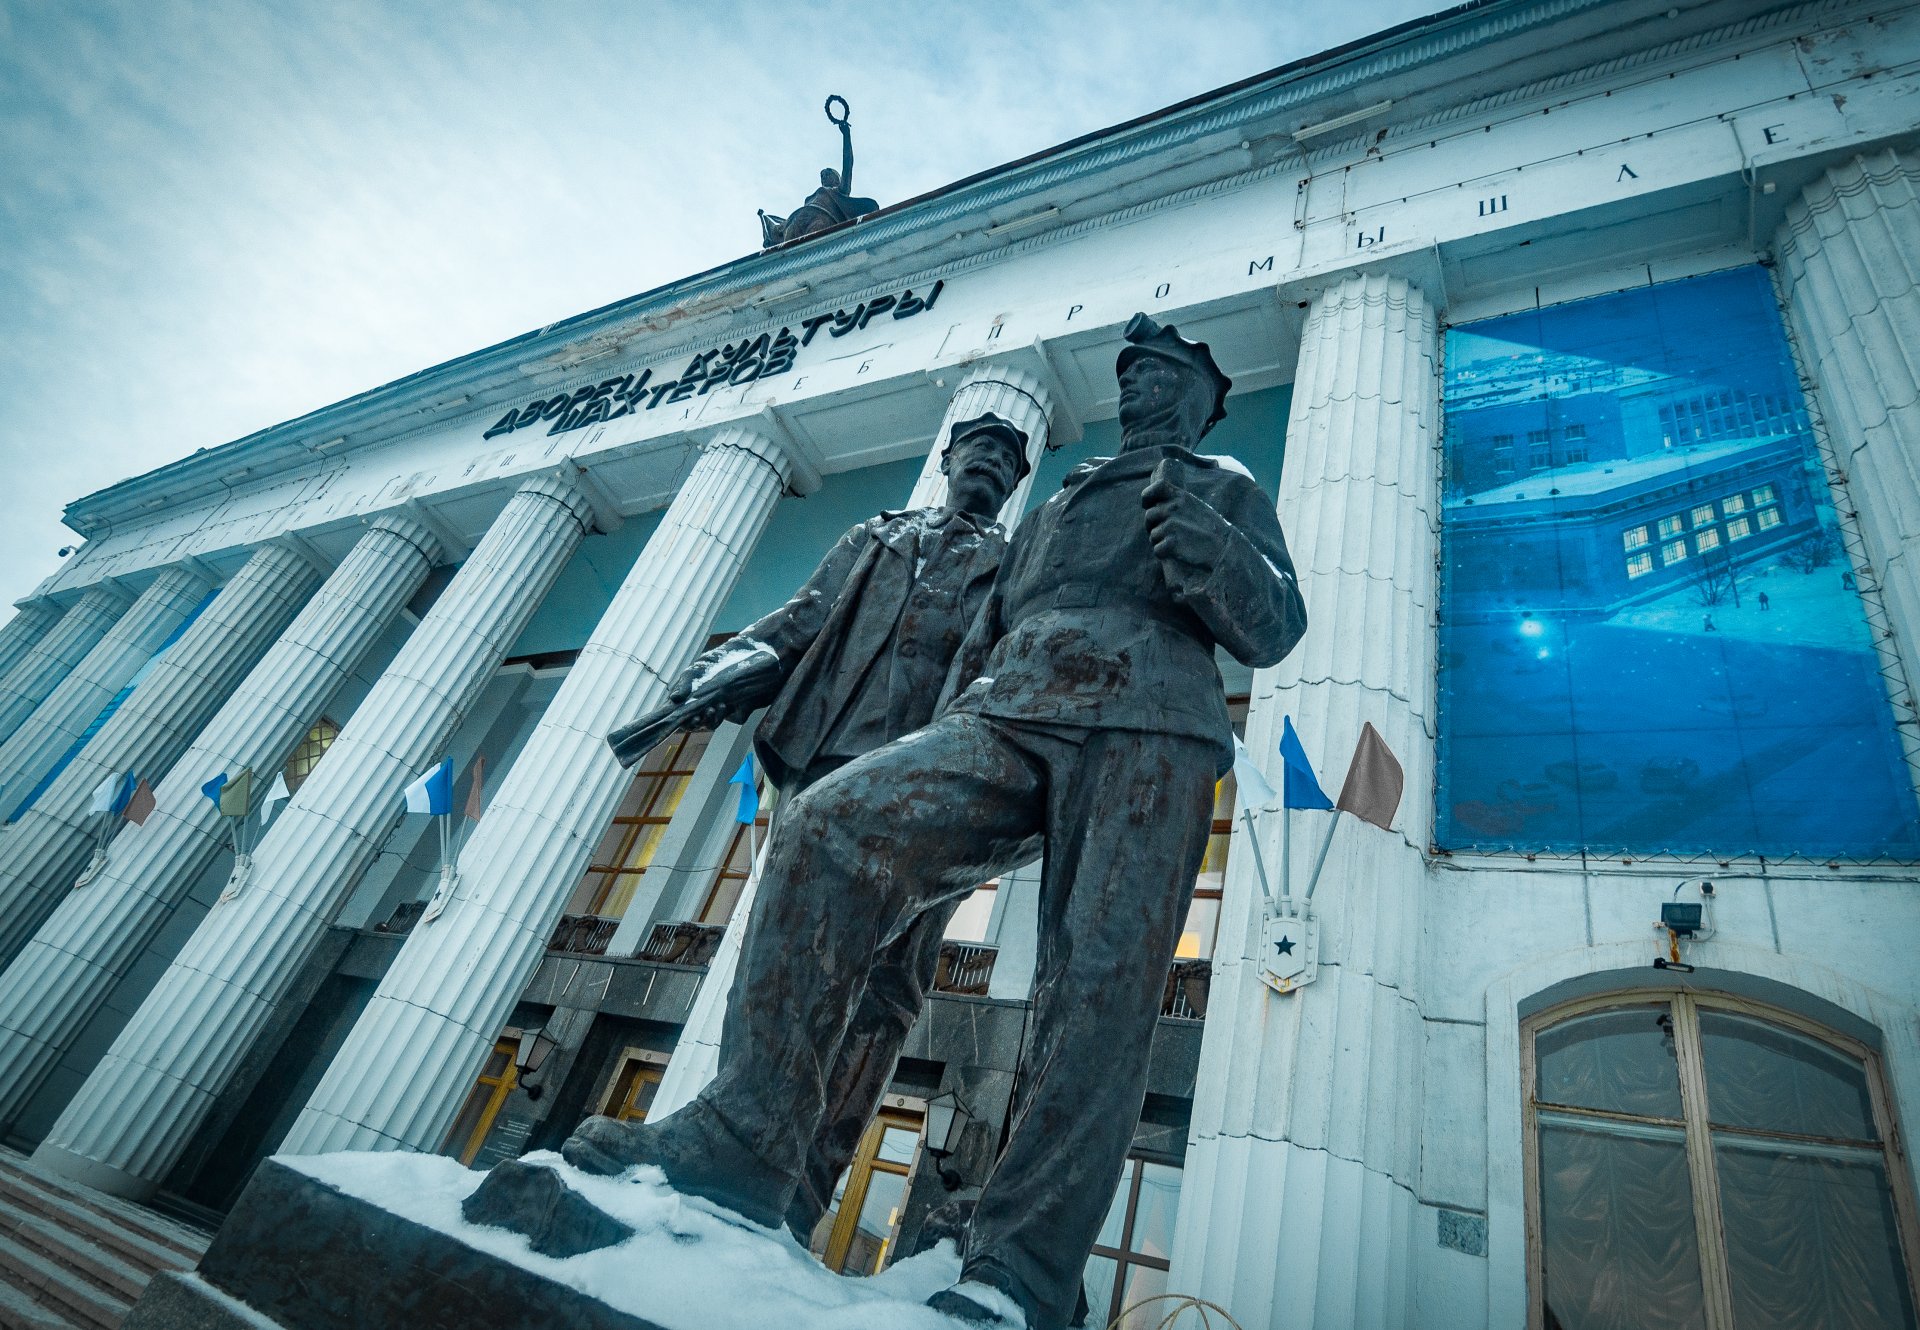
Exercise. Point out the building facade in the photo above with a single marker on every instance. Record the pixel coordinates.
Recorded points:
(1573, 340)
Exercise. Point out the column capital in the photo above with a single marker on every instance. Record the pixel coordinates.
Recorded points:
(737, 438)
(414, 532)
(557, 486)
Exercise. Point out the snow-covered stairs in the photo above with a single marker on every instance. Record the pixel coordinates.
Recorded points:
(72, 1259)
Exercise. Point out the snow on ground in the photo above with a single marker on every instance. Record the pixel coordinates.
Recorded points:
(685, 1268)
(1803, 609)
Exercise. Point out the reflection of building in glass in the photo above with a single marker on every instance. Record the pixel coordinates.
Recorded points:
(1593, 536)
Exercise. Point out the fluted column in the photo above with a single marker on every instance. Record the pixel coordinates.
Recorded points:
(128, 1124)
(43, 665)
(34, 620)
(80, 954)
(1024, 400)
(411, 1059)
(1006, 391)
(1297, 1204)
(45, 736)
(44, 851)
(1849, 267)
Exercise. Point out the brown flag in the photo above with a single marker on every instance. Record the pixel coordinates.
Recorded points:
(1374, 781)
(140, 803)
(476, 787)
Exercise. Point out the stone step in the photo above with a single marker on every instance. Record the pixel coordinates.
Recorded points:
(40, 1193)
(79, 1250)
(124, 1242)
(58, 1289)
(20, 1312)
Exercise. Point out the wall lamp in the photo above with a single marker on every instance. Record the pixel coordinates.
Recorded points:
(530, 1056)
(947, 1119)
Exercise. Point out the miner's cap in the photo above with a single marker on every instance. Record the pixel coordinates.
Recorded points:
(1147, 338)
(987, 422)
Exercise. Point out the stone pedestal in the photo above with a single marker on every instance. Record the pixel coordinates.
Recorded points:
(48, 847)
(1298, 1201)
(42, 666)
(301, 1255)
(411, 1059)
(59, 721)
(128, 1124)
(96, 934)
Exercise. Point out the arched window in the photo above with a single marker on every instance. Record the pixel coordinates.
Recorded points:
(307, 755)
(1697, 1160)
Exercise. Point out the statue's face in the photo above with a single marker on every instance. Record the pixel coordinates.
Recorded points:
(1162, 397)
(981, 472)
(830, 178)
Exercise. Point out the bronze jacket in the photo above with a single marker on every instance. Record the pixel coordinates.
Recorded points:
(865, 644)
(1083, 629)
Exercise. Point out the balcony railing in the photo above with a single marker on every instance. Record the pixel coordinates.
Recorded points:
(583, 934)
(403, 918)
(965, 968)
(1186, 995)
(682, 943)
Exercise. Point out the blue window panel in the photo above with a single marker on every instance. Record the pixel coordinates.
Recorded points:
(106, 712)
(1651, 641)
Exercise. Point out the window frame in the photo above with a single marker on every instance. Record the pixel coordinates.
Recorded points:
(895, 1111)
(1133, 1176)
(1684, 1006)
(600, 880)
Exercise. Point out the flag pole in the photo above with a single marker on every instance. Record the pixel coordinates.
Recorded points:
(1260, 864)
(1286, 857)
(1325, 845)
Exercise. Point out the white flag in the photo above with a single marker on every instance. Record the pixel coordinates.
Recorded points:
(105, 793)
(276, 793)
(1255, 792)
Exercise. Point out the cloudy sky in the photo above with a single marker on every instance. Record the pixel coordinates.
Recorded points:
(216, 215)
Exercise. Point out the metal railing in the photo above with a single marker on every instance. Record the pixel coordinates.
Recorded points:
(965, 968)
(583, 934)
(1186, 995)
(403, 918)
(682, 943)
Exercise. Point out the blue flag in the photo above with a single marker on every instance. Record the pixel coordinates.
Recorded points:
(213, 787)
(749, 796)
(124, 795)
(1301, 787)
(433, 792)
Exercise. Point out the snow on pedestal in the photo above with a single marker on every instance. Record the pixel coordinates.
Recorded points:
(688, 1266)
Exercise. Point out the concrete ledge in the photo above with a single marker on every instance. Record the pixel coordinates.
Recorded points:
(305, 1256)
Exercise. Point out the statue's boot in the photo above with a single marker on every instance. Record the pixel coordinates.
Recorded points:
(986, 1306)
(534, 1201)
(699, 1154)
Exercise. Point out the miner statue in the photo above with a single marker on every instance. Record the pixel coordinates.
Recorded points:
(855, 659)
(829, 205)
(1083, 715)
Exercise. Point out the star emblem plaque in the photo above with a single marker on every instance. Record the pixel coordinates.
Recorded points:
(1289, 951)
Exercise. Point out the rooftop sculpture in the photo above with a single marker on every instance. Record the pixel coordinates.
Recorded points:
(829, 205)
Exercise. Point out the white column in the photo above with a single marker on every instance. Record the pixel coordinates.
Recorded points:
(74, 962)
(1008, 392)
(1005, 391)
(1297, 1205)
(412, 1057)
(43, 665)
(50, 844)
(1849, 267)
(128, 1124)
(77, 699)
(34, 620)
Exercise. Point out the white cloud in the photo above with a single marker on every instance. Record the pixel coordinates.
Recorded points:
(218, 215)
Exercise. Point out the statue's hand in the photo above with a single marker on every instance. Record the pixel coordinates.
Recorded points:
(682, 687)
(1188, 536)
